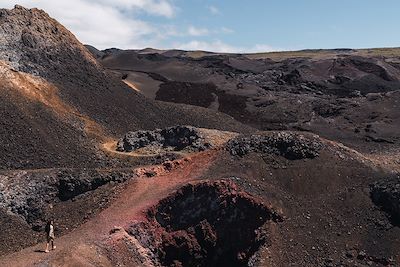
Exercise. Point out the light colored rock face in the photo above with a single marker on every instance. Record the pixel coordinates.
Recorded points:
(30, 40)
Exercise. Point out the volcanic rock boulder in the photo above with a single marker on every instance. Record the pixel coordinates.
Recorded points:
(386, 194)
(205, 224)
(289, 145)
(72, 183)
(173, 138)
(370, 66)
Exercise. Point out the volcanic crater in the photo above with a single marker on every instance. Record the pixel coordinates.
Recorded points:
(206, 224)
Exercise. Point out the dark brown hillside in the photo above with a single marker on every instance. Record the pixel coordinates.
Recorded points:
(37, 129)
(35, 138)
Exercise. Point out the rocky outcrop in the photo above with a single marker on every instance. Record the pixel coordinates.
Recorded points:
(74, 183)
(386, 195)
(292, 146)
(174, 138)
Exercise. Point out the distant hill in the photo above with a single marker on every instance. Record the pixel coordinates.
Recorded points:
(343, 94)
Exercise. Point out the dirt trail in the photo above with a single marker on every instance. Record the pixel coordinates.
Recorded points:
(80, 247)
(388, 161)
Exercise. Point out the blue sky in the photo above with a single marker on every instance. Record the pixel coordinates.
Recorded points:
(296, 24)
(227, 25)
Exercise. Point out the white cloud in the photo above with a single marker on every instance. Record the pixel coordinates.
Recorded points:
(263, 48)
(107, 23)
(214, 10)
(155, 7)
(194, 31)
(219, 46)
(226, 30)
(115, 23)
(215, 46)
(199, 31)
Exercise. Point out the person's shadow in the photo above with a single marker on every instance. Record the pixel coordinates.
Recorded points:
(39, 251)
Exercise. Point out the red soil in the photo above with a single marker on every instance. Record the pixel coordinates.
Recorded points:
(83, 246)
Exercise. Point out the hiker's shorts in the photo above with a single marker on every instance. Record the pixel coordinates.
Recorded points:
(50, 239)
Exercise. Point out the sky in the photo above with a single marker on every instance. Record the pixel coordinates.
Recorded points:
(227, 25)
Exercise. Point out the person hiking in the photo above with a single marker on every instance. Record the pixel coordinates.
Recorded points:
(49, 235)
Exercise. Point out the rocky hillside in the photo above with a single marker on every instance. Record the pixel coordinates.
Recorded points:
(58, 103)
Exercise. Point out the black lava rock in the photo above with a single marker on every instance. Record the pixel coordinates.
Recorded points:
(386, 195)
(289, 145)
(178, 137)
